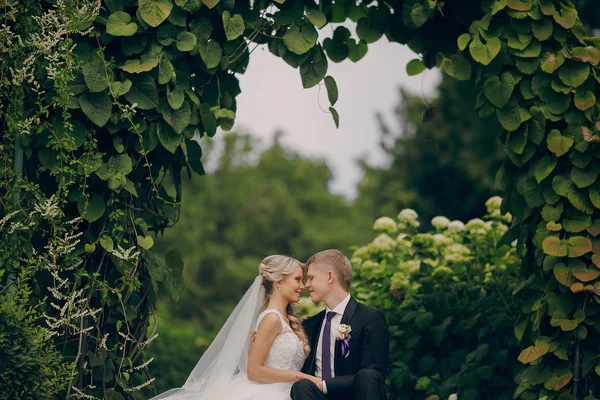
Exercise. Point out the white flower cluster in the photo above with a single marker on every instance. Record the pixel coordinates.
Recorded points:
(408, 219)
(440, 222)
(385, 224)
(382, 243)
(126, 255)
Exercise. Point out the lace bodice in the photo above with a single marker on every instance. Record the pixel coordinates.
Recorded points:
(286, 353)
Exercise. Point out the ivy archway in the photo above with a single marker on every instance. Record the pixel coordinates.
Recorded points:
(100, 102)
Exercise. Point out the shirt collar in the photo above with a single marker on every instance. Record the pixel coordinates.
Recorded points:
(340, 308)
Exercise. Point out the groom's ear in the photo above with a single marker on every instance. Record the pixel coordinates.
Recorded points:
(330, 276)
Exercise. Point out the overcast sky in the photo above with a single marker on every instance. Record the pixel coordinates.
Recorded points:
(273, 99)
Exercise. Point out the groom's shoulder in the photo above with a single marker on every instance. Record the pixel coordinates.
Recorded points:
(368, 310)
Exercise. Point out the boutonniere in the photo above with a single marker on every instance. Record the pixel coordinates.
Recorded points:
(344, 335)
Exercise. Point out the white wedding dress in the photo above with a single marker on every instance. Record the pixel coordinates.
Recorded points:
(221, 371)
(286, 353)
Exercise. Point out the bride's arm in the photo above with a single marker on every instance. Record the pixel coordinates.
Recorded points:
(268, 330)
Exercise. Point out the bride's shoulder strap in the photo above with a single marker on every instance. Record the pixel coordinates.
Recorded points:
(269, 311)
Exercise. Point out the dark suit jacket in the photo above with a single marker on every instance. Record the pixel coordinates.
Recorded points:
(369, 346)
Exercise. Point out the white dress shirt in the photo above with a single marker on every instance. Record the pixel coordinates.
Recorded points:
(335, 323)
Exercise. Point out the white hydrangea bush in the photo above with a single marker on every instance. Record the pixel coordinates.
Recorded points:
(431, 282)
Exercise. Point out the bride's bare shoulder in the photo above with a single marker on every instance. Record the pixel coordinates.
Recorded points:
(269, 323)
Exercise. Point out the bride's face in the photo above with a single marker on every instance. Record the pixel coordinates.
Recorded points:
(292, 286)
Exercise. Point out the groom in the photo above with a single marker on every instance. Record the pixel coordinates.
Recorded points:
(353, 368)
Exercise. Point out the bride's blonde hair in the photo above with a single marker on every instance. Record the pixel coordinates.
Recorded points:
(273, 269)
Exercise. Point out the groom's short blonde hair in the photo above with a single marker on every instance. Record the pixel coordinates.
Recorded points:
(337, 261)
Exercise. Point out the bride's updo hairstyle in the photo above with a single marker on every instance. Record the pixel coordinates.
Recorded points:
(273, 269)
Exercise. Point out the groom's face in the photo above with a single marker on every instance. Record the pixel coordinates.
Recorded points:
(317, 282)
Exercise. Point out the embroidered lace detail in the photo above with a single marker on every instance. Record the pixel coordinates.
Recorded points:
(286, 353)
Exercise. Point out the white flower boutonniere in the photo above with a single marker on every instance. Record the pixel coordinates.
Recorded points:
(344, 335)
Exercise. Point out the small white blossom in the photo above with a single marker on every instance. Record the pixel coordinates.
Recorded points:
(441, 239)
(456, 226)
(475, 224)
(383, 243)
(385, 224)
(493, 204)
(440, 222)
(453, 396)
(408, 216)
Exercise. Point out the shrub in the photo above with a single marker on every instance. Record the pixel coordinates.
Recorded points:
(30, 365)
(447, 297)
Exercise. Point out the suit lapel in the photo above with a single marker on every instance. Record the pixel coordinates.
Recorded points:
(314, 341)
(346, 319)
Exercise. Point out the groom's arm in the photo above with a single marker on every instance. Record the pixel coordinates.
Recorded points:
(373, 354)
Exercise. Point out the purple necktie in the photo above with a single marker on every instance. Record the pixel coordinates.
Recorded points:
(325, 347)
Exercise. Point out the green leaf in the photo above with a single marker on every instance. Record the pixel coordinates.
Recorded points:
(210, 53)
(317, 18)
(498, 90)
(154, 12)
(175, 97)
(194, 155)
(578, 246)
(95, 75)
(300, 39)
(573, 73)
(107, 244)
(532, 353)
(143, 92)
(313, 71)
(368, 31)
(120, 163)
(234, 26)
(165, 71)
(189, 5)
(544, 167)
(519, 5)
(457, 67)
(185, 41)
(533, 50)
(357, 51)
(97, 107)
(485, 53)
(211, 3)
(576, 222)
(145, 242)
(557, 143)
(584, 99)
(146, 63)
(118, 24)
(92, 210)
(542, 30)
(565, 16)
(208, 120)
(553, 246)
(582, 178)
(178, 119)
(117, 181)
(418, 15)
(120, 88)
(551, 62)
(552, 212)
(332, 90)
(415, 67)
(168, 138)
(463, 41)
(509, 116)
(335, 116)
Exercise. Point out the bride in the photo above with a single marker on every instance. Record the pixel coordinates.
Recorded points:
(227, 371)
